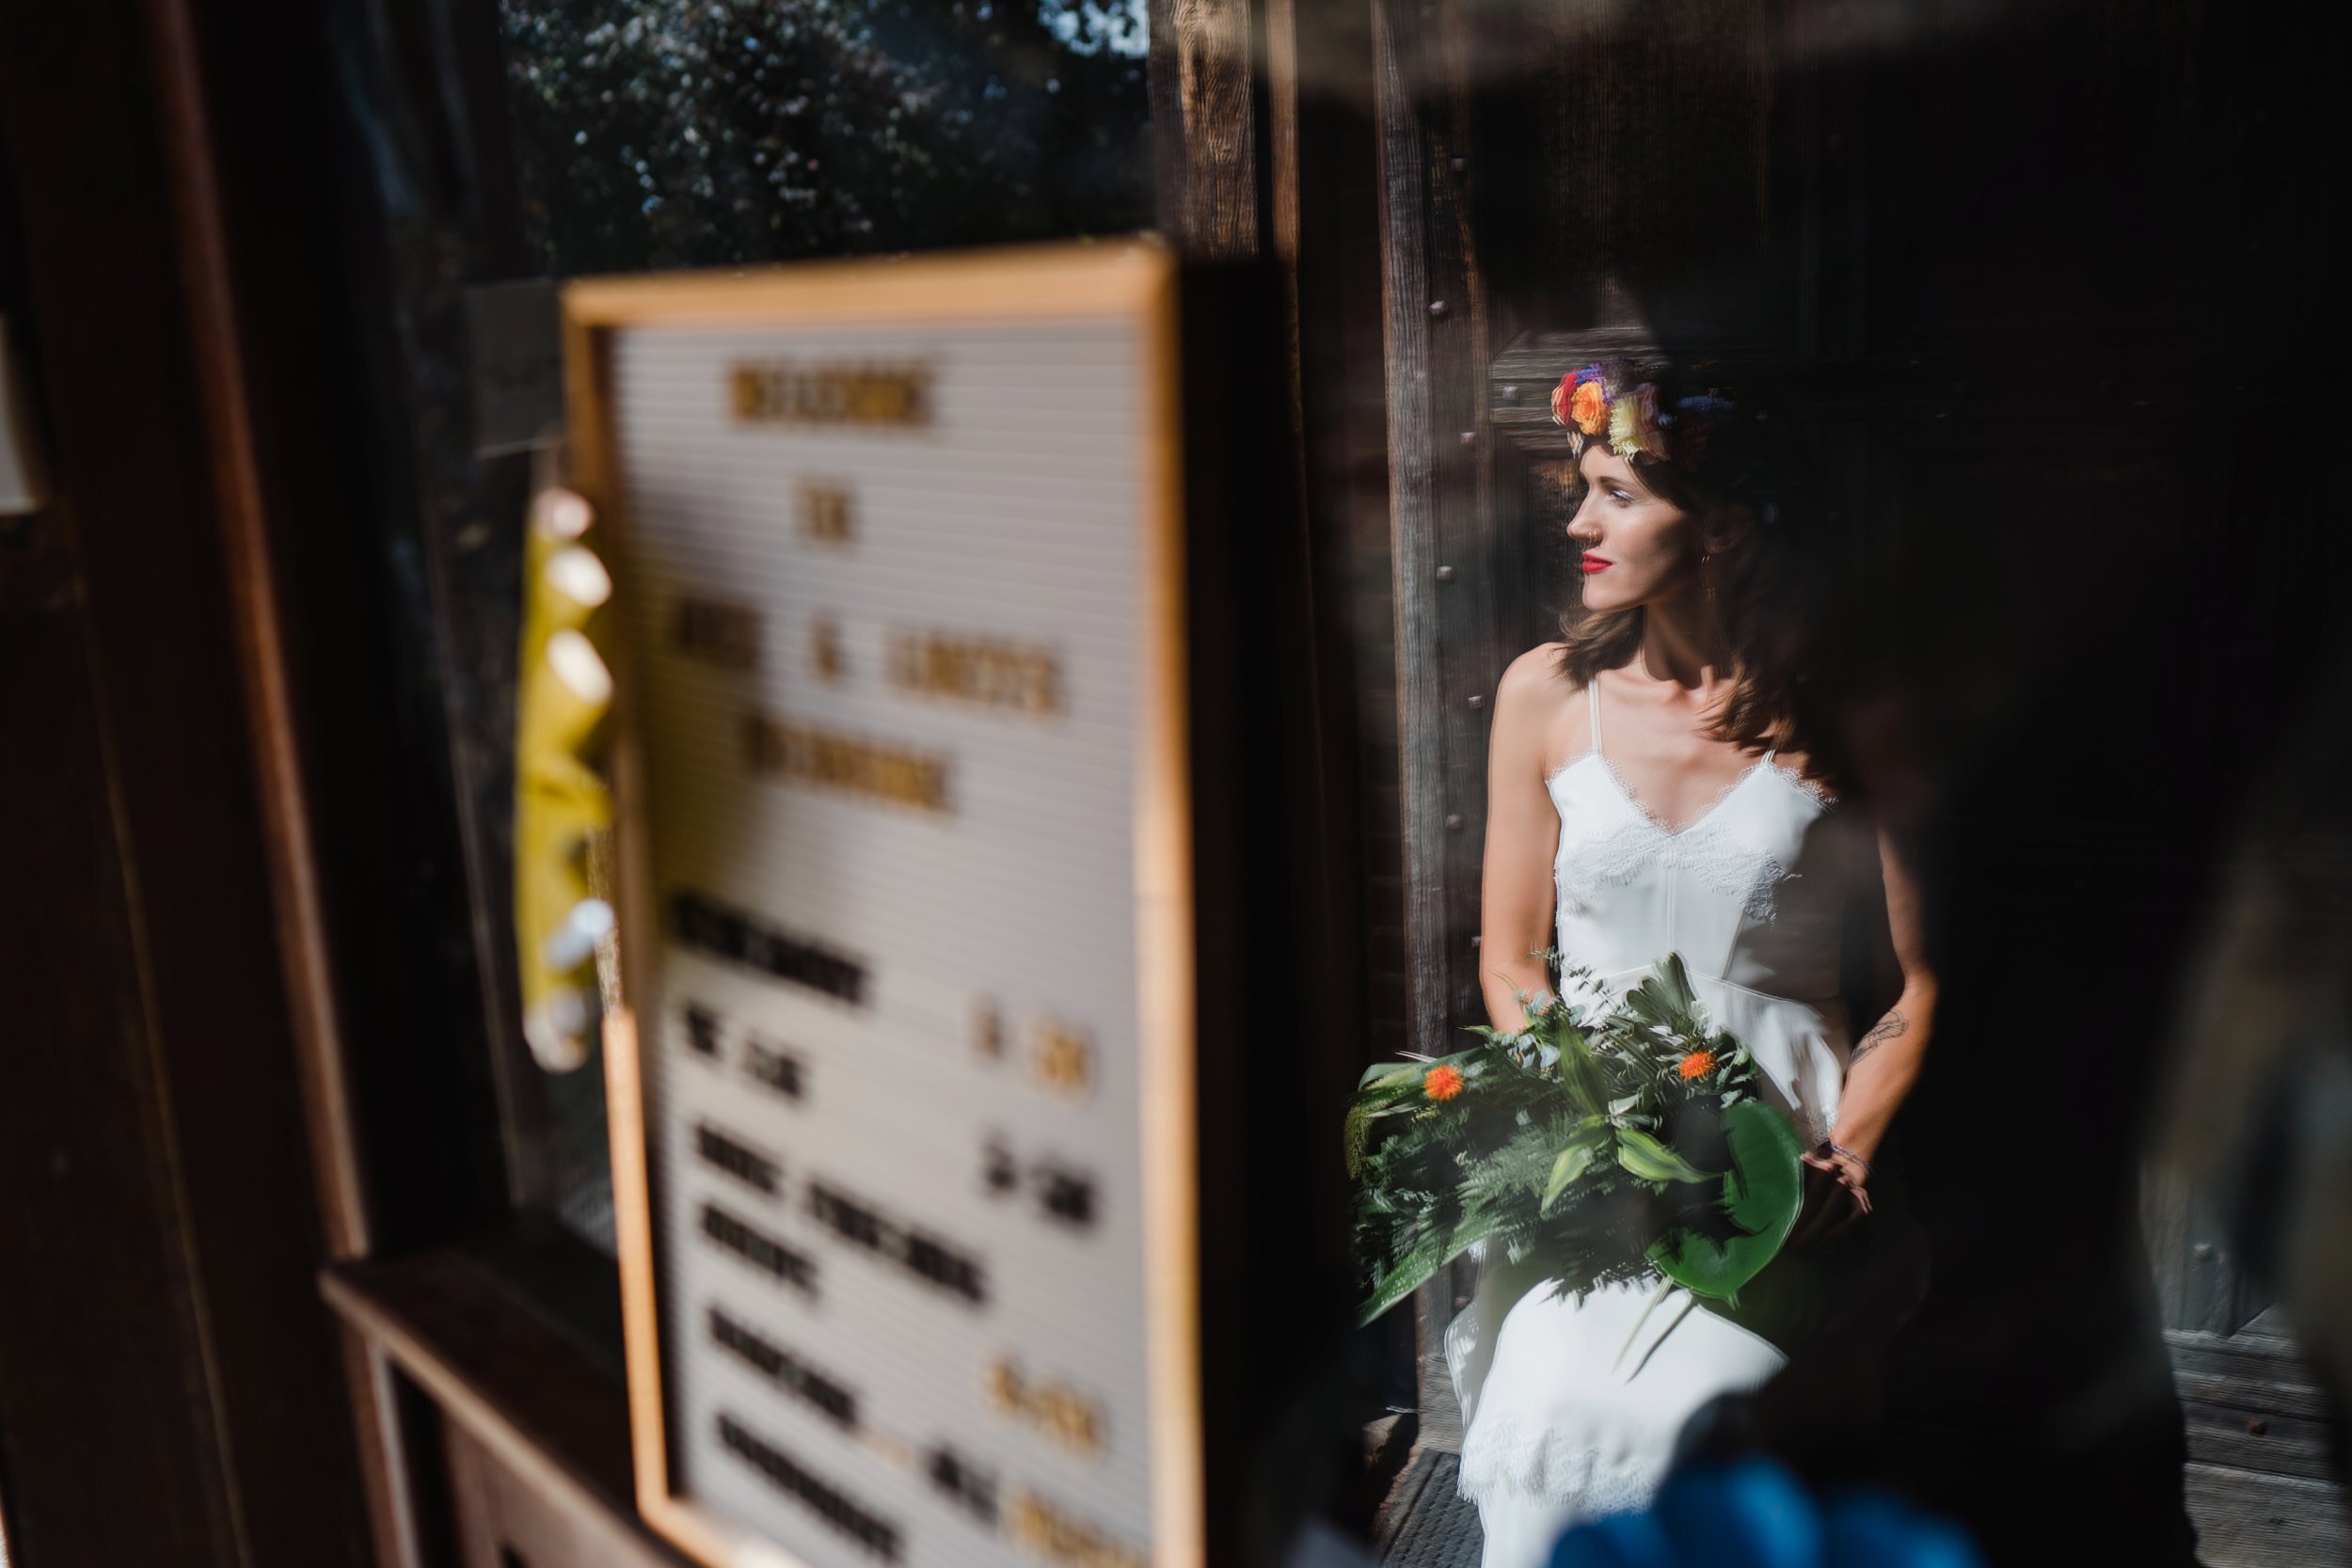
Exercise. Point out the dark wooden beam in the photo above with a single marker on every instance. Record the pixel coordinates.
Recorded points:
(1440, 484)
(168, 1389)
(1205, 104)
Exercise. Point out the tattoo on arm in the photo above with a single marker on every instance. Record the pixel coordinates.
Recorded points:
(1893, 1026)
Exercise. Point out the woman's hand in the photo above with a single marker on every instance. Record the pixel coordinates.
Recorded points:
(1836, 1197)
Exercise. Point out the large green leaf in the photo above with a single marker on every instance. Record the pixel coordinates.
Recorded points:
(1574, 1161)
(1433, 1252)
(1356, 1137)
(1664, 997)
(1674, 983)
(1645, 1157)
(1763, 1191)
(1586, 1084)
(1389, 1075)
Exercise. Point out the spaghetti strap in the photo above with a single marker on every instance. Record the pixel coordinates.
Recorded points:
(1591, 700)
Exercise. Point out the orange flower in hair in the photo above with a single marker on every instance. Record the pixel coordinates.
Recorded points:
(1589, 407)
(1581, 402)
(1698, 1064)
(1443, 1083)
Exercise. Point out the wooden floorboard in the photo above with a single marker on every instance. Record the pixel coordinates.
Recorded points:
(2246, 1520)
(1425, 1523)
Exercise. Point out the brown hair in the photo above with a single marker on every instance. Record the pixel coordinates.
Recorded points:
(1765, 591)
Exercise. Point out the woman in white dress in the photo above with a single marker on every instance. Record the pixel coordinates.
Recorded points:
(1649, 793)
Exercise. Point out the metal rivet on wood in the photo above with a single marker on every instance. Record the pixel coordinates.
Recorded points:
(1445, 574)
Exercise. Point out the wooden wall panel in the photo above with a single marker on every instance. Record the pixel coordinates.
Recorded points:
(168, 1386)
(1207, 102)
(1439, 335)
(1634, 163)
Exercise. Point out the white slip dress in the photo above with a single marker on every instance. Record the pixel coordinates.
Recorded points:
(1568, 1413)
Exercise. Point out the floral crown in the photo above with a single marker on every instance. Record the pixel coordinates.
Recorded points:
(1633, 418)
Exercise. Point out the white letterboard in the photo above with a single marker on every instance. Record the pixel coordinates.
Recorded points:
(887, 687)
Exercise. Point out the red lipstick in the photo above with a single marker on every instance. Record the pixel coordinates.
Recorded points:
(1596, 563)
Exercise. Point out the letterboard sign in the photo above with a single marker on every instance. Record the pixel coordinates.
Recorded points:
(902, 1088)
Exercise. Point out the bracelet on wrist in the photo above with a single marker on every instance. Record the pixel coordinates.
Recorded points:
(1841, 1149)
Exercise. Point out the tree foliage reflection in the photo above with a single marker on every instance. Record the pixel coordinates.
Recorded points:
(680, 133)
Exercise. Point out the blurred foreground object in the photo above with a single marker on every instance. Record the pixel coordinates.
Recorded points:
(562, 807)
(2260, 1107)
(965, 794)
(1755, 1514)
(24, 478)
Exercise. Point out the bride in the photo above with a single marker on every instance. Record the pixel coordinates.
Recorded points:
(1651, 791)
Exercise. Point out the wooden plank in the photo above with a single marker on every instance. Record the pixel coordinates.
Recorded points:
(2250, 1521)
(1467, 564)
(1446, 650)
(1447, 655)
(387, 1469)
(2258, 1396)
(1204, 114)
(2164, 1223)
(1440, 1412)
(1413, 531)
(2255, 1356)
(167, 1378)
(99, 1318)
(2269, 1444)
(242, 512)
(551, 1414)
(502, 1520)
(1323, 207)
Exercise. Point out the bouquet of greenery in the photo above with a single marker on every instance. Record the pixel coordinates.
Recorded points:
(1609, 1143)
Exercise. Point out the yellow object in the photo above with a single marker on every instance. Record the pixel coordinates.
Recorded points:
(561, 805)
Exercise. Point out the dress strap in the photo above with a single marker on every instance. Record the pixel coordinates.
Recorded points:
(1591, 700)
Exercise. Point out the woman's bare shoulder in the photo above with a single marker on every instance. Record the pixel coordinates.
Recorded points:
(1534, 684)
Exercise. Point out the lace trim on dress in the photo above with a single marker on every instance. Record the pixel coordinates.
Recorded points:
(1822, 797)
(1731, 867)
(1790, 776)
(1547, 1465)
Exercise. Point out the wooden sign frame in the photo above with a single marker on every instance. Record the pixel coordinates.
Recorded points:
(1135, 281)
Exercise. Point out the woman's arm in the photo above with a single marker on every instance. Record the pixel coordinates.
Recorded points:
(1886, 1063)
(1887, 1058)
(1515, 897)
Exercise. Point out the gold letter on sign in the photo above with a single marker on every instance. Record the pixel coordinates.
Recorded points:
(716, 632)
(1057, 1410)
(824, 649)
(786, 393)
(977, 669)
(1064, 1060)
(1044, 1528)
(845, 762)
(825, 514)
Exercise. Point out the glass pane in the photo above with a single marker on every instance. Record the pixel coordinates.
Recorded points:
(682, 134)
(668, 133)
